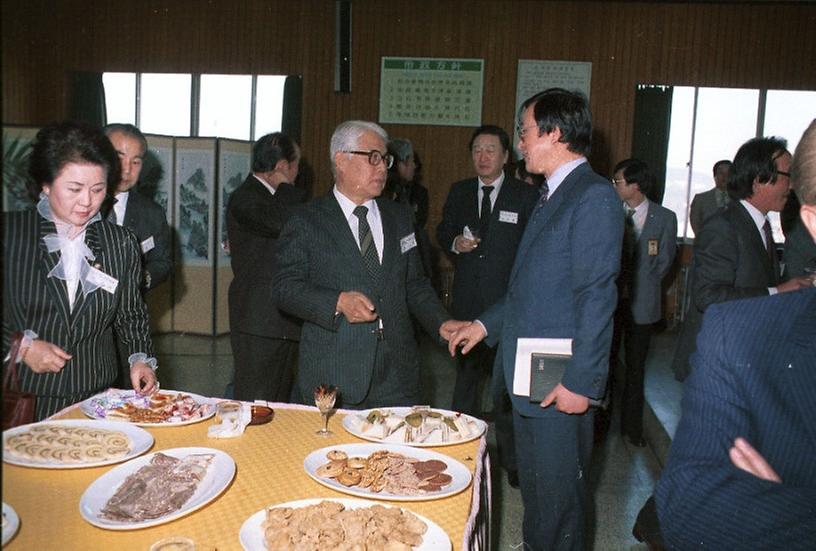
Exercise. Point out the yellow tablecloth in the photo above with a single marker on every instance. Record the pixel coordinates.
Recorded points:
(269, 460)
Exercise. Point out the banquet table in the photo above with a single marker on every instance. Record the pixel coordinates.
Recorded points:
(269, 470)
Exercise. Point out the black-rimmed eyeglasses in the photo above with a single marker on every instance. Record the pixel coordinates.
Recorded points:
(375, 157)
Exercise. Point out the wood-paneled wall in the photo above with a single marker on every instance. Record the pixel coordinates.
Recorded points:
(729, 44)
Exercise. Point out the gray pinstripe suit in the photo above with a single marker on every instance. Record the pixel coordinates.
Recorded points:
(318, 258)
(33, 301)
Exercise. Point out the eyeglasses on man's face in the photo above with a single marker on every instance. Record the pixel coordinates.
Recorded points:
(616, 181)
(375, 157)
(522, 130)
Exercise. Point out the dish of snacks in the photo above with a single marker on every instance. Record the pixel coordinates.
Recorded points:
(156, 488)
(418, 426)
(73, 444)
(390, 472)
(162, 408)
(340, 524)
(11, 522)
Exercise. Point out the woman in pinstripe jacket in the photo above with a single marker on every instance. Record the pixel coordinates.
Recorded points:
(71, 277)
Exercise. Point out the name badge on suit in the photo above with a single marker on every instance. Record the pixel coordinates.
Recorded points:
(509, 217)
(653, 247)
(407, 243)
(147, 245)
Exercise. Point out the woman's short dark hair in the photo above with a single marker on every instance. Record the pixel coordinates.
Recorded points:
(271, 149)
(568, 111)
(61, 143)
(754, 161)
(637, 172)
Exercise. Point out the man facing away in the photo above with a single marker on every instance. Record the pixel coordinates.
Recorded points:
(348, 266)
(264, 340)
(562, 285)
(495, 207)
(741, 472)
(706, 204)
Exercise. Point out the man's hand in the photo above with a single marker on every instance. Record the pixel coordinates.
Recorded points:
(467, 336)
(140, 373)
(356, 307)
(44, 357)
(745, 457)
(794, 284)
(566, 401)
(464, 245)
(447, 329)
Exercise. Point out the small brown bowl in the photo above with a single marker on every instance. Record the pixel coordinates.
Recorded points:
(261, 415)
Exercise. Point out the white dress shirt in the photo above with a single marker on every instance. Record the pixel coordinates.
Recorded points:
(120, 206)
(373, 217)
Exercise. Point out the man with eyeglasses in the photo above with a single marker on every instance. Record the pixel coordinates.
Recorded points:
(735, 255)
(349, 267)
(741, 472)
(562, 285)
(482, 223)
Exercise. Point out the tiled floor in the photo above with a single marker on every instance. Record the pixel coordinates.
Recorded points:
(623, 476)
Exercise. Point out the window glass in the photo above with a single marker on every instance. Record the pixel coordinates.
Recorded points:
(120, 97)
(165, 104)
(225, 106)
(268, 104)
(677, 158)
(788, 113)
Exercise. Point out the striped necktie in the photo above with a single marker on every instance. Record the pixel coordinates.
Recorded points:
(367, 247)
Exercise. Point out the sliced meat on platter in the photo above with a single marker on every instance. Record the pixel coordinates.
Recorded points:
(159, 488)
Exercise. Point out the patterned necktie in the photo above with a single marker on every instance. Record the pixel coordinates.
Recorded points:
(367, 247)
(484, 213)
(630, 233)
(769, 242)
(112, 213)
(544, 191)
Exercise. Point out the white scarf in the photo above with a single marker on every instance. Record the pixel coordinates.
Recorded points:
(73, 266)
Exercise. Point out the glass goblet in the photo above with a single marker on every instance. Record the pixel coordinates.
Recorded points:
(325, 396)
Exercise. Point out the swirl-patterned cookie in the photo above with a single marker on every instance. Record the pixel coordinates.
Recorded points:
(65, 444)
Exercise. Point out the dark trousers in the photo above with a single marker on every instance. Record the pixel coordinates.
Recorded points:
(634, 339)
(264, 367)
(471, 369)
(553, 458)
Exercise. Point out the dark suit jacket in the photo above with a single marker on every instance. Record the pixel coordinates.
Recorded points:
(146, 219)
(255, 218)
(800, 250)
(754, 376)
(317, 259)
(649, 269)
(730, 262)
(481, 276)
(33, 301)
(562, 285)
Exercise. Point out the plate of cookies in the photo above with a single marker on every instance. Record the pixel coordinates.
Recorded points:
(74, 444)
(340, 523)
(381, 471)
(160, 409)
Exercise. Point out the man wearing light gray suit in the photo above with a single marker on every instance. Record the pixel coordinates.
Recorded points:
(348, 265)
(706, 204)
(649, 245)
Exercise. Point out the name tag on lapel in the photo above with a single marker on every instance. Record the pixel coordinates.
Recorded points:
(509, 217)
(652, 245)
(106, 282)
(407, 243)
(147, 245)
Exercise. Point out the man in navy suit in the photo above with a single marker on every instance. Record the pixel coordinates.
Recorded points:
(649, 245)
(741, 472)
(562, 285)
(497, 206)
